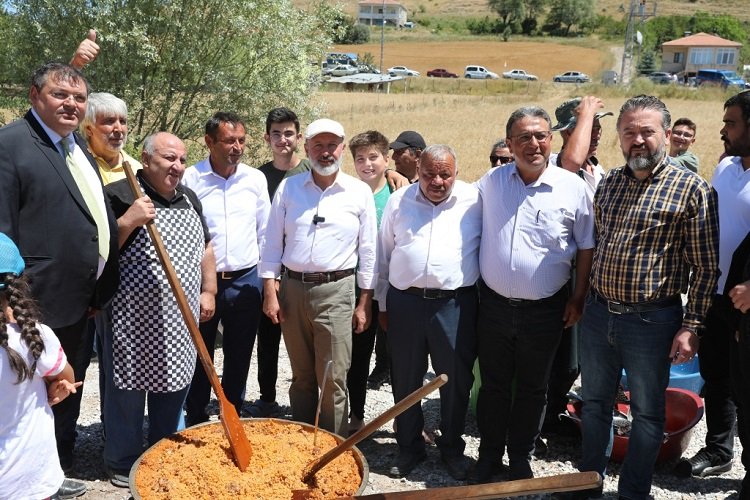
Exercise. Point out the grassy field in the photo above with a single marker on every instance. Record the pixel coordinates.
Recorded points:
(544, 59)
(471, 124)
(612, 8)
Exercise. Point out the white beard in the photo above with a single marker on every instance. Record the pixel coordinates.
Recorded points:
(325, 171)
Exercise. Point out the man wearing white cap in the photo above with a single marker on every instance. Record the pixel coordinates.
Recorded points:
(322, 229)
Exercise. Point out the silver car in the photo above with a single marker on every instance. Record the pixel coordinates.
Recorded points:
(572, 77)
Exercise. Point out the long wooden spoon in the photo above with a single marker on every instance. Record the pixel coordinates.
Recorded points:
(240, 446)
(371, 427)
(574, 481)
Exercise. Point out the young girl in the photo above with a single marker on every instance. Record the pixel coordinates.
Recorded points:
(34, 374)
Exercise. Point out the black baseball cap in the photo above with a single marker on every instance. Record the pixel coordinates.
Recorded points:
(408, 139)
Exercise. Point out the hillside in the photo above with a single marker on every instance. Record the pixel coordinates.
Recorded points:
(613, 8)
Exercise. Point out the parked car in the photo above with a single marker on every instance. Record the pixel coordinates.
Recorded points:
(344, 70)
(441, 73)
(402, 71)
(721, 77)
(479, 72)
(661, 77)
(572, 76)
(609, 77)
(519, 74)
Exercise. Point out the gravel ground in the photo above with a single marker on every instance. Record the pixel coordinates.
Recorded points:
(380, 450)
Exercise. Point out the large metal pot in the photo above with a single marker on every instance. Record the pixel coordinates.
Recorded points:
(359, 458)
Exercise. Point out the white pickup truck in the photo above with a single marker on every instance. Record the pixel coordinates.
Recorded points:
(519, 74)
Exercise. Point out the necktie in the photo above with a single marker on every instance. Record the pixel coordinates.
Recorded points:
(102, 226)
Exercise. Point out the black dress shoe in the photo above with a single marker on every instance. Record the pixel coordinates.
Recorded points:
(405, 463)
(520, 469)
(378, 378)
(456, 465)
(70, 489)
(702, 464)
(590, 493)
(484, 470)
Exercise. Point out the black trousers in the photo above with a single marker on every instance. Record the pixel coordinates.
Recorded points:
(269, 339)
(356, 378)
(515, 343)
(719, 369)
(238, 307)
(444, 330)
(77, 341)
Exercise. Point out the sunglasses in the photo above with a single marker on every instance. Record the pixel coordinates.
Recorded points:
(503, 159)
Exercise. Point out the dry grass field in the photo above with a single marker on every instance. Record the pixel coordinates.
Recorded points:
(613, 8)
(543, 59)
(471, 124)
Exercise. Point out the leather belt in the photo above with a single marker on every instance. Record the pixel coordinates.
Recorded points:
(616, 307)
(319, 277)
(523, 302)
(230, 275)
(436, 293)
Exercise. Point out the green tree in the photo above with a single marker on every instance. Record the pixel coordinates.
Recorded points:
(508, 10)
(564, 14)
(647, 64)
(177, 62)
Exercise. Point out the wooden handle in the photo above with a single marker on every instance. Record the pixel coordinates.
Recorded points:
(374, 425)
(575, 481)
(235, 432)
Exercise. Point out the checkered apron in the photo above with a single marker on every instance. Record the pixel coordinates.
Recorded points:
(153, 350)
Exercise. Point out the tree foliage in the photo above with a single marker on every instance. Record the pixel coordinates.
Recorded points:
(177, 62)
(565, 14)
(509, 10)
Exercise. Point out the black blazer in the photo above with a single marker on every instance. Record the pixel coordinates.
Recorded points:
(42, 210)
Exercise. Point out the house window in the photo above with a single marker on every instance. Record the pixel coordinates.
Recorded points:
(725, 57)
(677, 57)
(700, 56)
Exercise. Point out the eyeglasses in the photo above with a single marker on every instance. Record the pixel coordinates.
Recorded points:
(541, 136)
(681, 133)
(503, 159)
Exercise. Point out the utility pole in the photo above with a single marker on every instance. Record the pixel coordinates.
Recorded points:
(382, 35)
(636, 14)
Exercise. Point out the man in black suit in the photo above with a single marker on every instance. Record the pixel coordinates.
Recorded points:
(54, 208)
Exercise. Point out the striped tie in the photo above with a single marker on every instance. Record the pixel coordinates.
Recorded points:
(102, 226)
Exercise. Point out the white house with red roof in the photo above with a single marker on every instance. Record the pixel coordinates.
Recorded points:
(689, 54)
(374, 12)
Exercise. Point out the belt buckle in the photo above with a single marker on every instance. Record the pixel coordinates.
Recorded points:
(429, 294)
(305, 275)
(226, 275)
(615, 307)
(514, 302)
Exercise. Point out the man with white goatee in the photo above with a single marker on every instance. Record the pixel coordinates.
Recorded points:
(322, 229)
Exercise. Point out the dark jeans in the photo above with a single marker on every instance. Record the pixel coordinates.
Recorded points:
(76, 340)
(356, 379)
(718, 360)
(238, 307)
(515, 341)
(269, 339)
(444, 330)
(382, 355)
(639, 342)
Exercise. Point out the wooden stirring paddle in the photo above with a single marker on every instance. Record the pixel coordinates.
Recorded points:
(238, 442)
(374, 425)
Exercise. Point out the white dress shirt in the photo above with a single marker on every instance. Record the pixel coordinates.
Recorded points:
(530, 234)
(344, 236)
(732, 184)
(429, 246)
(236, 212)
